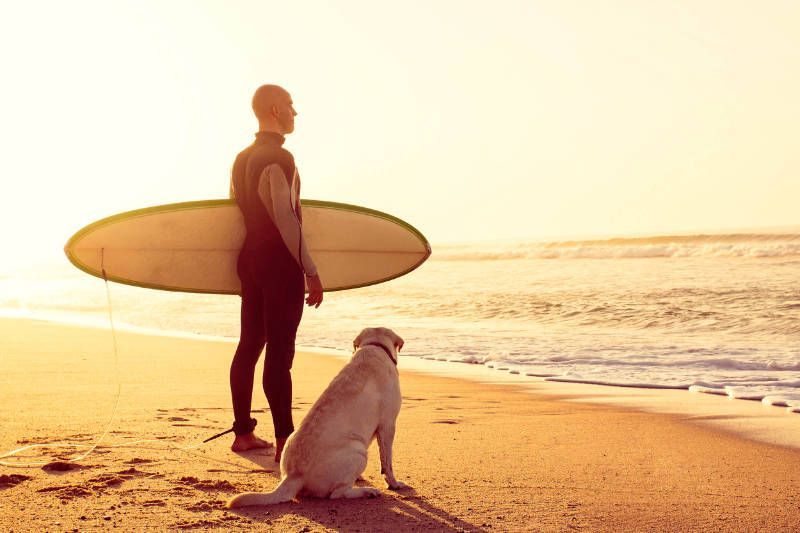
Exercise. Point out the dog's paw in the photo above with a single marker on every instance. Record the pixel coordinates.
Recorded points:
(397, 485)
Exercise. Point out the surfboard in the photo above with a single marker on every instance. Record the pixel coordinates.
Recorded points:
(193, 246)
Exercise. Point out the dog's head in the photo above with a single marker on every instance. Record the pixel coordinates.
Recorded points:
(383, 336)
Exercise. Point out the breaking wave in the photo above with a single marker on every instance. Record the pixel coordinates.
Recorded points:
(730, 245)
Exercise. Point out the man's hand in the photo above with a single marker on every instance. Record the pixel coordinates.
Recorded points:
(314, 291)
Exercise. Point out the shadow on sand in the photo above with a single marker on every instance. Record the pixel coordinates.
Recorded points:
(401, 510)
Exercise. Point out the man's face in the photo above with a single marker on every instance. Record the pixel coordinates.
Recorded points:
(285, 114)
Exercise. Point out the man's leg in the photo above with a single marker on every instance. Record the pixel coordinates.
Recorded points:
(251, 341)
(283, 311)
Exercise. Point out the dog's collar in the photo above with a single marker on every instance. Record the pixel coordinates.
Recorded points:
(385, 349)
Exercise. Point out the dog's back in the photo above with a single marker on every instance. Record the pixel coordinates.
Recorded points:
(348, 410)
(328, 451)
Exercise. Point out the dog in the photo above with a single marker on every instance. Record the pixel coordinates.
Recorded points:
(328, 452)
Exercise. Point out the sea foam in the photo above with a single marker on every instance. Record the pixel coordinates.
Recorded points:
(713, 314)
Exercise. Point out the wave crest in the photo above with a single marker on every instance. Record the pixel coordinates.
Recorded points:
(732, 245)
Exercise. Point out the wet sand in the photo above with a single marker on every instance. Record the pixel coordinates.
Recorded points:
(477, 456)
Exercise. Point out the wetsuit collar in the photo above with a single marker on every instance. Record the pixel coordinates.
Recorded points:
(385, 349)
(271, 137)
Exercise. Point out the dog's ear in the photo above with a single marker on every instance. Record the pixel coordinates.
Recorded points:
(357, 341)
(397, 341)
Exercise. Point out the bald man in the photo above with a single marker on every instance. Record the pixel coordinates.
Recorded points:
(272, 265)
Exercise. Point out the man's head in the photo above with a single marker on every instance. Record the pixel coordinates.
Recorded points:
(273, 108)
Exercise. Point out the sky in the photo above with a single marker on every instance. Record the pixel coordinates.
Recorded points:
(520, 120)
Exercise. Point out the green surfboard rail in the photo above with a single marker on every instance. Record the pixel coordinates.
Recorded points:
(202, 204)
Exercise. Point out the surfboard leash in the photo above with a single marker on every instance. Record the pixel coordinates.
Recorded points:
(93, 447)
(218, 435)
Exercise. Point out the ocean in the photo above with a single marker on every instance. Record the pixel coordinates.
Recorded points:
(712, 313)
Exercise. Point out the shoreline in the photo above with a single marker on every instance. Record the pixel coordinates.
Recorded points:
(741, 418)
(499, 456)
(747, 418)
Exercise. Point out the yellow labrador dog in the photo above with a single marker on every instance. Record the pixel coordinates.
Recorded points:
(328, 452)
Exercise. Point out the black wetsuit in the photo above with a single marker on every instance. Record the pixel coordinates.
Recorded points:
(273, 286)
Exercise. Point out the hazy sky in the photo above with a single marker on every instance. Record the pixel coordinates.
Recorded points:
(515, 120)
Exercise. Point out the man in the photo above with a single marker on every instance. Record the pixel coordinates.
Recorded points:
(271, 267)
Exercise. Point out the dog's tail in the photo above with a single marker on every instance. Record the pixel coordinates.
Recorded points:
(286, 490)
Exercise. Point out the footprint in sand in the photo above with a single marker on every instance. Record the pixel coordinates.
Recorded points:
(177, 419)
(8, 481)
(449, 421)
(154, 503)
(83, 437)
(37, 440)
(133, 472)
(221, 522)
(105, 481)
(64, 457)
(62, 466)
(68, 492)
(138, 461)
(206, 506)
(207, 484)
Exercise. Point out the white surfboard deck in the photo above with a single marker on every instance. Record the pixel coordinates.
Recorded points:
(193, 246)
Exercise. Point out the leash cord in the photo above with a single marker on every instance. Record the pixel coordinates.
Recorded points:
(92, 447)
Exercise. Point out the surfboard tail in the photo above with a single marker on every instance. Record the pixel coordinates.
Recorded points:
(286, 490)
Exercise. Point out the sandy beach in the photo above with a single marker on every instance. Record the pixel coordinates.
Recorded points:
(580, 217)
(477, 456)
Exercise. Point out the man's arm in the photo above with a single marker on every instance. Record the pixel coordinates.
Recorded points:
(275, 191)
(297, 201)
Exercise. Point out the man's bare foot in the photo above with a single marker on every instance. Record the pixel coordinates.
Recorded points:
(279, 444)
(243, 443)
